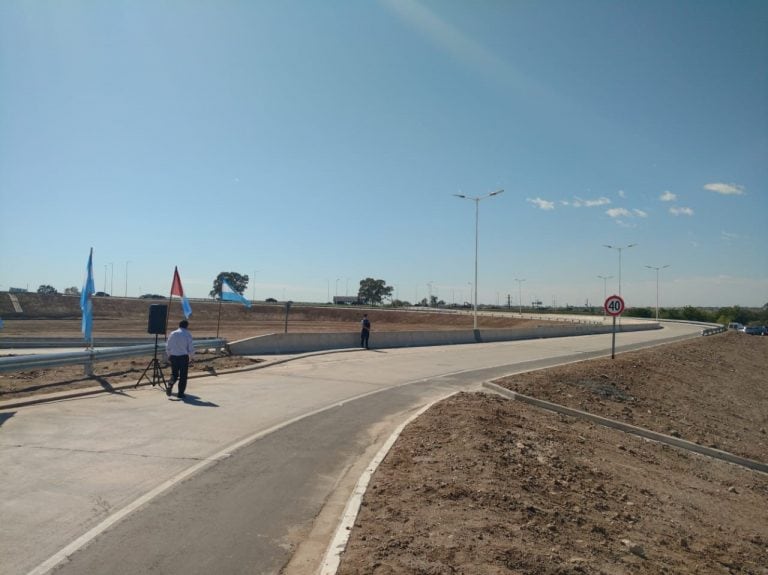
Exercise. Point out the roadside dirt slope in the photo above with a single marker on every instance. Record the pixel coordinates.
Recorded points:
(484, 485)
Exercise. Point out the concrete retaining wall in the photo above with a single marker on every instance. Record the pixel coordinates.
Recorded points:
(288, 343)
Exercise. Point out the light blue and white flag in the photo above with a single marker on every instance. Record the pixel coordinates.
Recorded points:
(86, 302)
(229, 294)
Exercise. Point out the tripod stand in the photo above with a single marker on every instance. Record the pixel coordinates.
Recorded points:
(157, 372)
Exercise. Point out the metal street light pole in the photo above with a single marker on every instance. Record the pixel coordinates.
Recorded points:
(657, 268)
(477, 219)
(619, 248)
(605, 289)
(520, 294)
(112, 280)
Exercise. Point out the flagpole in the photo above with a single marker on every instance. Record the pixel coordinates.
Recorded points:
(218, 321)
(170, 301)
(90, 303)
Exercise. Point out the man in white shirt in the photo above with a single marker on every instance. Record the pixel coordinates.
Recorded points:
(179, 348)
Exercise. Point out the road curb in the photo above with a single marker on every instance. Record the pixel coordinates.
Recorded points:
(338, 544)
(627, 428)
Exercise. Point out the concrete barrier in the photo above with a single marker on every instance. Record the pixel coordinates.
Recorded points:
(289, 343)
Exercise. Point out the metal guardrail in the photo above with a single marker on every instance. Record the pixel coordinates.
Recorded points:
(713, 330)
(75, 342)
(88, 358)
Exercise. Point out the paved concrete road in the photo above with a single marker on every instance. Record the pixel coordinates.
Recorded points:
(251, 467)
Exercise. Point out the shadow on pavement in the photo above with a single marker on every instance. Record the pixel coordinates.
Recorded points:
(195, 400)
(106, 386)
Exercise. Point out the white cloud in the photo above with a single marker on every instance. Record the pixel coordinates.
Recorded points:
(725, 189)
(640, 213)
(542, 204)
(728, 236)
(618, 212)
(668, 196)
(598, 202)
(622, 194)
(675, 211)
(580, 202)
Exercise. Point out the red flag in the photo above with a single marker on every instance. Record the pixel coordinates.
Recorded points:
(176, 288)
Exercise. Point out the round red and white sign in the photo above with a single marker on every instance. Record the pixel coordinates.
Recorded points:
(614, 305)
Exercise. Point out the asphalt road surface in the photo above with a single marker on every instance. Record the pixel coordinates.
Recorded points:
(248, 475)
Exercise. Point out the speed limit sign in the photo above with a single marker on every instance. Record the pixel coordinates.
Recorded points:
(614, 305)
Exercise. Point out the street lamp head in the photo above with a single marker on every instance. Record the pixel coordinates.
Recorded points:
(460, 196)
(496, 193)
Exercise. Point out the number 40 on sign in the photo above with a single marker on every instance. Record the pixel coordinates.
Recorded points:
(613, 306)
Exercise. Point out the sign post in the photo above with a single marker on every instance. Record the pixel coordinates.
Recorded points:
(613, 306)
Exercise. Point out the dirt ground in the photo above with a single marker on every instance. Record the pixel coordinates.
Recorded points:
(482, 485)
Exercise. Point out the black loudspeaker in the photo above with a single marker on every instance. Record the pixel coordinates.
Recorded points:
(157, 315)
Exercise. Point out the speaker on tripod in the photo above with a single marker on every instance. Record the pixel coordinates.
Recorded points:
(155, 325)
(158, 313)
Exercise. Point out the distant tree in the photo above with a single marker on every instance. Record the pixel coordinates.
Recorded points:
(673, 313)
(640, 312)
(696, 314)
(737, 313)
(723, 320)
(238, 282)
(270, 300)
(47, 290)
(373, 291)
(71, 291)
(400, 303)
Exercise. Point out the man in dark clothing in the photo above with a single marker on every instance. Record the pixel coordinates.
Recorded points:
(179, 348)
(365, 332)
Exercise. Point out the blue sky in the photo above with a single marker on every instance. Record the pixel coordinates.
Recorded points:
(311, 144)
